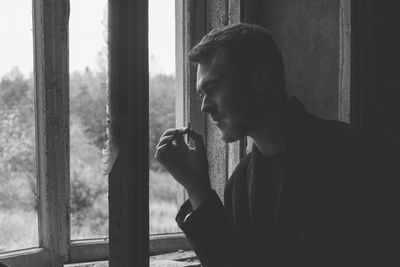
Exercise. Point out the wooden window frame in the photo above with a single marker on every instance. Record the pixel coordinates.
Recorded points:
(51, 72)
(130, 243)
(194, 19)
(344, 93)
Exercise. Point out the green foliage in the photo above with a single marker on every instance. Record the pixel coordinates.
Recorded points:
(163, 203)
(163, 187)
(17, 142)
(18, 219)
(88, 94)
(18, 229)
(88, 122)
(16, 91)
(161, 111)
(88, 185)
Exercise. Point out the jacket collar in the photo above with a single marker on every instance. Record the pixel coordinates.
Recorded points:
(297, 120)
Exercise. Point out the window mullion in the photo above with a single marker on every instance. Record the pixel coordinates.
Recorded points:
(52, 125)
(195, 19)
(190, 26)
(217, 150)
(129, 108)
(236, 149)
(195, 24)
(181, 102)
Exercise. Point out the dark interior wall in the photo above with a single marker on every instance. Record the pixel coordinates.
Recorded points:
(307, 32)
(376, 67)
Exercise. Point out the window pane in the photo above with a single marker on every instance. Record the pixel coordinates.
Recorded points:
(163, 188)
(18, 190)
(88, 119)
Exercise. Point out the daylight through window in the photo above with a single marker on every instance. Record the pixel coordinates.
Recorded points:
(163, 188)
(18, 183)
(88, 118)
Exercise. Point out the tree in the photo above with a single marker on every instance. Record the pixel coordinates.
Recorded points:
(17, 142)
(161, 113)
(88, 98)
(88, 122)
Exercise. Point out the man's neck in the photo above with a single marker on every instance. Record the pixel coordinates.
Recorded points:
(269, 143)
(270, 137)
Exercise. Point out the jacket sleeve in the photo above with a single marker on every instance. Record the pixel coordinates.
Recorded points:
(209, 232)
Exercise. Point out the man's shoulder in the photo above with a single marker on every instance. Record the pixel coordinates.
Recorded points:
(338, 150)
(332, 135)
(332, 128)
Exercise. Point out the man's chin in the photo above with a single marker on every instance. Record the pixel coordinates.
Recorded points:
(230, 134)
(229, 138)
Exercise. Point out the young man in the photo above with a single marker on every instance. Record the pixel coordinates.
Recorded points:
(311, 193)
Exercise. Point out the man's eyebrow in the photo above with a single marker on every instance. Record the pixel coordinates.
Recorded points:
(208, 83)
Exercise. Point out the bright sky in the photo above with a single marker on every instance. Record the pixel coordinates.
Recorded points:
(16, 47)
(87, 35)
(87, 32)
(162, 36)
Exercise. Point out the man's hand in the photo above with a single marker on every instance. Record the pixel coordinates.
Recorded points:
(189, 166)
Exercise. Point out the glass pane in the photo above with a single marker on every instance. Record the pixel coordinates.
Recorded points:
(163, 188)
(88, 119)
(18, 190)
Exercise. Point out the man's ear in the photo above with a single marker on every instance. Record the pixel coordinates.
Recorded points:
(261, 78)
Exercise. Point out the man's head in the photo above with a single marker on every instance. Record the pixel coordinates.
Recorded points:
(240, 77)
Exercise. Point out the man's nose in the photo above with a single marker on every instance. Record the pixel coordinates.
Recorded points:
(206, 105)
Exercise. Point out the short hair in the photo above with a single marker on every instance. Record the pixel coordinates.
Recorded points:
(247, 45)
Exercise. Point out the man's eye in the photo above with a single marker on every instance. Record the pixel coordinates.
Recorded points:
(201, 95)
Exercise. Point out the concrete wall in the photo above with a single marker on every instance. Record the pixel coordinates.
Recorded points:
(307, 32)
(375, 67)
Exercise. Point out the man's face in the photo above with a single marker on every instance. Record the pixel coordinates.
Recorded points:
(226, 97)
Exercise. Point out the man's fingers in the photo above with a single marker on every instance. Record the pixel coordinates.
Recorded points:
(198, 140)
(160, 152)
(169, 132)
(167, 143)
(165, 139)
(175, 132)
(180, 140)
(185, 130)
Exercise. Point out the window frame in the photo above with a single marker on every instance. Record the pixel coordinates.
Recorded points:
(51, 72)
(194, 20)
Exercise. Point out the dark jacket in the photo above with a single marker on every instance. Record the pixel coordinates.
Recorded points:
(338, 205)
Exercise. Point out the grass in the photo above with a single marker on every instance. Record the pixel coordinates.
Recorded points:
(163, 203)
(18, 229)
(162, 218)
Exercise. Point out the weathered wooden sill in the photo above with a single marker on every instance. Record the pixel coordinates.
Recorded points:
(176, 259)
